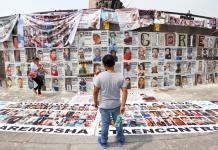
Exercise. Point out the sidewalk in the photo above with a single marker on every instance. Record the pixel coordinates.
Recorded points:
(30, 141)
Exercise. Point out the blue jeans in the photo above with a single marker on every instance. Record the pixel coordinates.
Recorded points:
(105, 117)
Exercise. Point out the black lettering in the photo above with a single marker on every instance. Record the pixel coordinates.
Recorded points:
(206, 128)
(83, 131)
(47, 130)
(14, 128)
(144, 39)
(35, 129)
(184, 129)
(72, 131)
(148, 130)
(160, 130)
(182, 41)
(23, 128)
(126, 131)
(136, 131)
(59, 130)
(114, 131)
(195, 128)
(3, 128)
(215, 127)
(172, 130)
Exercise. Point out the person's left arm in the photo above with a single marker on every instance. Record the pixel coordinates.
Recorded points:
(95, 96)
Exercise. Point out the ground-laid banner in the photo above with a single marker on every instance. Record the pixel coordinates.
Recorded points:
(6, 26)
(140, 118)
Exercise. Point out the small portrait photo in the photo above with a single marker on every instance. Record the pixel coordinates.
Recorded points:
(9, 82)
(141, 83)
(178, 122)
(128, 82)
(205, 53)
(127, 53)
(20, 83)
(198, 79)
(112, 39)
(167, 53)
(155, 53)
(141, 69)
(154, 82)
(127, 38)
(82, 85)
(39, 54)
(178, 67)
(15, 42)
(97, 55)
(18, 71)
(96, 39)
(167, 66)
(189, 53)
(98, 68)
(54, 70)
(179, 54)
(141, 53)
(55, 84)
(5, 45)
(178, 81)
(68, 85)
(67, 69)
(53, 55)
(8, 70)
(81, 54)
(184, 81)
(154, 68)
(17, 55)
(66, 54)
(82, 69)
(114, 54)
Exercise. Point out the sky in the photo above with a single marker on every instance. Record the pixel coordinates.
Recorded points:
(197, 7)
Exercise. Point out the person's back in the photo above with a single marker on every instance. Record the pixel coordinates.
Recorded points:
(109, 84)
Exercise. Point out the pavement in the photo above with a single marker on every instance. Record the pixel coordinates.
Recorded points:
(32, 141)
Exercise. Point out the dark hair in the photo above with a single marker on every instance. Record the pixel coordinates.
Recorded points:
(35, 59)
(108, 61)
(53, 50)
(128, 78)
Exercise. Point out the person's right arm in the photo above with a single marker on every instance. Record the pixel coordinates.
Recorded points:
(123, 101)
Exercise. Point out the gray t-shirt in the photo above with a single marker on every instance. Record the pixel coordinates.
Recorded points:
(110, 85)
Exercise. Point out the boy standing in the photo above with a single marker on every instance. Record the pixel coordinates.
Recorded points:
(109, 83)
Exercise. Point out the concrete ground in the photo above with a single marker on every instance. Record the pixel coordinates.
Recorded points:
(30, 141)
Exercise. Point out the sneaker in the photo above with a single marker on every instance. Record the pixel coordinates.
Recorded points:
(103, 145)
(121, 143)
(34, 91)
(40, 95)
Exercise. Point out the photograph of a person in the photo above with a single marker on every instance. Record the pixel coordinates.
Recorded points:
(54, 70)
(68, 71)
(154, 68)
(15, 42)
(53, 55)
(141, 69)
(66, 54)
(167, 53)
(82, 85)
(5, 44)
(97, 69)
(40, 55)
(82, 69)
(155, 53)
(178, 67)
(112, 39)
(179, 54)
(18, 71)
(68, 85)
(141, 53)
(9, 82)
(20, 83)
(127, 38)
(198, 79)
(141, 83)
(17, 55)
(167, 66)
(178, 81)
(97, 55)
(30, 54)
(127, 53)
(81, 54)
(96, 39)
(154, 82)
(184, 81)
(114, 54)
(55, 84)
(8, 70)
(189, 53)
(128, 82)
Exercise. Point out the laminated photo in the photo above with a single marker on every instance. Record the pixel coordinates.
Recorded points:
(144, 67)
(85, 54)
(130, 69)
(68, 69)
(100, 38)
(168, 53)
(10, 69)
(200, 66)
(85, 68)
(85, 84)
(99, 53)
(73, 54)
